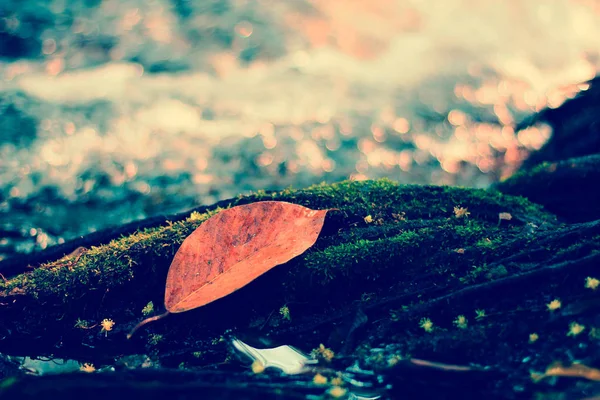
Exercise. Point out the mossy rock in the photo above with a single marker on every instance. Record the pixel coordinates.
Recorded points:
(575, 127)
(395, 255)
(568, 188)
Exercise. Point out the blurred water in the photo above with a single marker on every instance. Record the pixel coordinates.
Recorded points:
(113, 110)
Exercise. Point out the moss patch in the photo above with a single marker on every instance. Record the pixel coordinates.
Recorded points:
(413, 241)
(388, 258)
(568, 188)
(115, 263)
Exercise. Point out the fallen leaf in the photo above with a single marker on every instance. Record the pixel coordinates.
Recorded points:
(234, 247)
(287, 359)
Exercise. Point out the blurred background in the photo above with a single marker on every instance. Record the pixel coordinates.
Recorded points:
(115, 110)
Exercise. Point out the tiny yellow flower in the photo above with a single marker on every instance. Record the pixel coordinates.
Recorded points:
(426, 324)
(399, 217)
(460, 212)
(337, 381)
(81, 324)
(461, 322)
(393, 360)
(323, 352)
(368, 219)
(257, 367)
(107, 325)
(148, 309)
(196, 216)
(319, 379)
(87, 367)
(479, 314)
(554, 305)
(592, 283)
(460, 251)
(285, 313)
(155, 338)
(575, 329)
(337, 392)
(533, 337)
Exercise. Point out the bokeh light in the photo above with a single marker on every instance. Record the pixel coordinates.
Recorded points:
(115, 110)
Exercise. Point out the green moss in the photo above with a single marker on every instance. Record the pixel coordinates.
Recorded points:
(542, 168)
(8, 382)
(565, 187)
(579, 248)
(148, 309)
(155, 338)
(416, 201)
(118, 262)
(106, 266)
(407, 252)
(362, 254)
(487, 243)
(406, 275)
(475, 272)
(285, 313)
(82, 324)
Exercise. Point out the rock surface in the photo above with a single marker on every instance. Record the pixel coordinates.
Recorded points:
(481, 266)
(569, 188)
(575, 127)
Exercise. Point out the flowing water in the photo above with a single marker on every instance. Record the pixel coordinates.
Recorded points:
(115, 110)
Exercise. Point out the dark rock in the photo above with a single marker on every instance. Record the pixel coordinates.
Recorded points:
(568, 188)
(575, 127)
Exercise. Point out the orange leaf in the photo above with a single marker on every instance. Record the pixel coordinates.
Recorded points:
(234, 247)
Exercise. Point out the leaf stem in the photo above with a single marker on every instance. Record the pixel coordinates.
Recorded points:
(144, 322)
